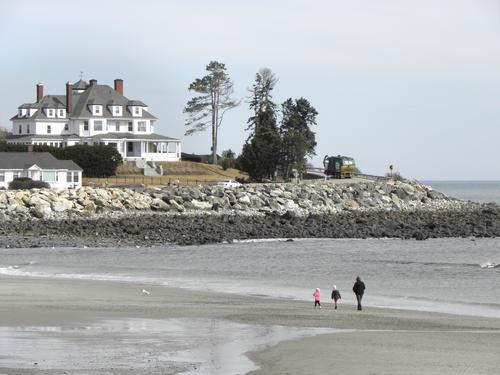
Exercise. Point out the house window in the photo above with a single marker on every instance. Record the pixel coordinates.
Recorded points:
(49, 176)
(66, 127)
(130, 126)
(117, 110)
(2, 177)
(61, 112)
(97, 109)
(117, 126)
(69, 177)
(28, 128)
(86, 125)
(97, 126)
(136, 110)
(130, 147)
(49, 129)
(141, 126)
(20, 129)
(76, 177)
(171, 147)
(51, 113)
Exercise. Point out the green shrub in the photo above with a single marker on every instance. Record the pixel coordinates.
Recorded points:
(26, 183)
(95, 160)
(227, 163)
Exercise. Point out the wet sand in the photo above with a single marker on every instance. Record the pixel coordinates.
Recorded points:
(375, 341)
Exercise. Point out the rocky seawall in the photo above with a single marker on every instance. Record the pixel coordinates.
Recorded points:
(187, 215)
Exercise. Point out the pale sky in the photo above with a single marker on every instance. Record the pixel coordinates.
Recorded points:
(414, 83)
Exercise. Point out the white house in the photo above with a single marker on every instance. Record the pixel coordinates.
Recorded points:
(39, 166)
(93, 114)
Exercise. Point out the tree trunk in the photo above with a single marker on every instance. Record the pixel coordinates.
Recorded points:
(214, 129)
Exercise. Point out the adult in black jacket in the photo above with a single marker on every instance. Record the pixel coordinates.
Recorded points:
(359, 290)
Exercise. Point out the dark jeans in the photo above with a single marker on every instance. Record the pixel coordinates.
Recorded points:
(359, 297)
(317, 303)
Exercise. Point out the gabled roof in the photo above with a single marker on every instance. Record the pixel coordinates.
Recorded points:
(44, 160)
(93, 94)
(104, 95)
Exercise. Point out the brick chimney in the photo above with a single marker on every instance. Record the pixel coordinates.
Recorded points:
(119, 85)
(39, 92)
(69, 99)
(93, 82)
(30, 148)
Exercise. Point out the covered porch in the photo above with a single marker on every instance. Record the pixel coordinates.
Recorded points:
(155, 150)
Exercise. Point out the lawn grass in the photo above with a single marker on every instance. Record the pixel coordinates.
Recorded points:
(182, 173)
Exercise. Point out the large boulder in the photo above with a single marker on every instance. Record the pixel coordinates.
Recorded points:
(201, 205)
(61, 205)
(177, 206)
(159, 205)
(244, 199)
(41, 211)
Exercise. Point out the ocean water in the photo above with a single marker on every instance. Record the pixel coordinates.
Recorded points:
(477, 191)
(442, 275)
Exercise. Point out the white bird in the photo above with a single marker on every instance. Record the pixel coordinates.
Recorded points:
(144, 291)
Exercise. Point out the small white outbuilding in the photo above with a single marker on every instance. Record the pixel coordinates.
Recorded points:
(40, 166)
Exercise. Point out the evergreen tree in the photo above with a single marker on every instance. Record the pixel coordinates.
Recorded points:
(298, 140)
(260, 154)
(207, 110)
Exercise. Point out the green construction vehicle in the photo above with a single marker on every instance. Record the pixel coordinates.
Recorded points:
(339, 166)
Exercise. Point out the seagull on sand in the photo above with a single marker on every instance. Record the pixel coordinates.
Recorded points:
(144, 291)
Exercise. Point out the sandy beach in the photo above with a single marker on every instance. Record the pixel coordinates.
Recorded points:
(91, 327)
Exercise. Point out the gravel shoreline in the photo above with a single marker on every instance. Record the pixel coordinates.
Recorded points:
(148, 229)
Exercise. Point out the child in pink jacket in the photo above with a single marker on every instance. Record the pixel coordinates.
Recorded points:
(317, 298)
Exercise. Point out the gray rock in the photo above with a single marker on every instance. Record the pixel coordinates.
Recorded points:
(41, 211)
(159, 205)
(61, 205)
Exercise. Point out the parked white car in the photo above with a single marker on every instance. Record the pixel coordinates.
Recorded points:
(228, 183)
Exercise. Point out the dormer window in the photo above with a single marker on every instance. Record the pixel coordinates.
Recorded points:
(117, 110)
(61, 113)
(136, 110)
(50, 113)
(97, 109)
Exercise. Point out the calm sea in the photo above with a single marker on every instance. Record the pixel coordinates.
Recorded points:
(477, 191)
(443, 275)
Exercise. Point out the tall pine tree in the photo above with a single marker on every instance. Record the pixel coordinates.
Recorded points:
(298, 140)
(260, 154)
(207, 110)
